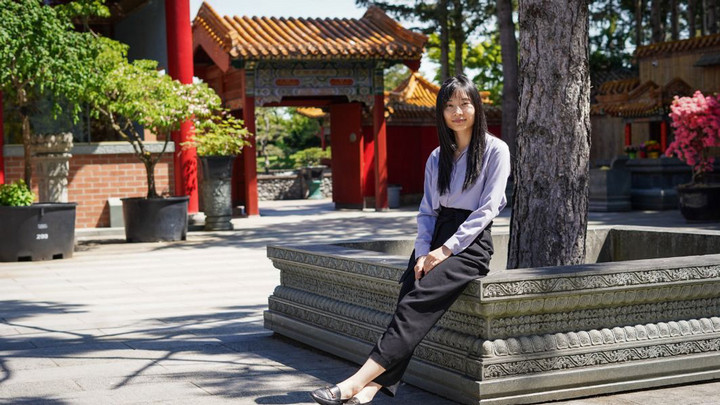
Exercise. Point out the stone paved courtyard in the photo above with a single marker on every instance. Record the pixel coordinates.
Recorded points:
(181, 323)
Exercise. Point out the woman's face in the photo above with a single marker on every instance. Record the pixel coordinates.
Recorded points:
(459, 114)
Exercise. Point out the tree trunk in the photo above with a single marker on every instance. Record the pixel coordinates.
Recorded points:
(691, 10)
(674, 15)
(639, 8)
(656, 21)
(444, 40)
(27, 155)
(508, 46)
(150, 173)
(458, 34)
(459, 42)
(549, 216)
(710, 9)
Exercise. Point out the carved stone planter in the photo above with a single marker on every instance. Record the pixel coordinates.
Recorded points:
(52, 157)
(635, 317)
(217, 191)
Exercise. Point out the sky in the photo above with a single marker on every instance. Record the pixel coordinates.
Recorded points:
(295, 8)
(282, 8)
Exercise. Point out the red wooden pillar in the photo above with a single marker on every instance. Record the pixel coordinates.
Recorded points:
(249, 154)
(380, 131)
(628, 134)
(663, 136)
(180, 67)
(2, 143)
(347, 155)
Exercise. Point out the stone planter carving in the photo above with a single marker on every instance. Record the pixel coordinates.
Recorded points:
(51, 154)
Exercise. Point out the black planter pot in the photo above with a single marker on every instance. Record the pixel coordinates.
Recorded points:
(216, 191)
(42, 231)
(155, 219)
(700, 202)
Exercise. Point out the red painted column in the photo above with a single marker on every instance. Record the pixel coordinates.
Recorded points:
(250, 159)
(663, 136)
(180, 67)
(628, 134)
(2, 143)
(380, 131)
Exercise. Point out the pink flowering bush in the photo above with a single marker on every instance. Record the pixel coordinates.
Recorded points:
(696, 121)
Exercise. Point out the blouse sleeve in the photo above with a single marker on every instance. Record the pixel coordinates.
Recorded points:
(427, 216)
(492, 200)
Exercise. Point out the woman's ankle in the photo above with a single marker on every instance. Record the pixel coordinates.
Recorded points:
(348, 389)
(367, 393)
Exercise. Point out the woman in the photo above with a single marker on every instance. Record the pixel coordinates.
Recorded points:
(465, 182)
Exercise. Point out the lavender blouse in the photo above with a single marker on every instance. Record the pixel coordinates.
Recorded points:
(485, 198)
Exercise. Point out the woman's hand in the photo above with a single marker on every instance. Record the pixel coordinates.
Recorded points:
(425, 264)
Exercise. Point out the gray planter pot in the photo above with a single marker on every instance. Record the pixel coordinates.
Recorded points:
(216, 190)
(155, 219)
(42, 231)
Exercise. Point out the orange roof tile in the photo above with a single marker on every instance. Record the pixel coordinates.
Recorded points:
(645, 100)
(312, 112)
(685, 45)
(374, 36)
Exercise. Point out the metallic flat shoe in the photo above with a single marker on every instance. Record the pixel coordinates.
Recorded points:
(328, 396)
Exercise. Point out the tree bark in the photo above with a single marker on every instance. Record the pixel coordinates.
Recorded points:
(639, 8)
(549, 216)
(674, 15)
(444, 40)
(508, 48)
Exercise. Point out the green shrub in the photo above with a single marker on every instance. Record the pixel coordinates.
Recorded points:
(310, 156)
(16, 194)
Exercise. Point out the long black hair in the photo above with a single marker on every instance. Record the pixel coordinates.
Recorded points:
(475, 149)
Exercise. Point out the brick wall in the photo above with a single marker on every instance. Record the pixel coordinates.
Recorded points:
(95, 178)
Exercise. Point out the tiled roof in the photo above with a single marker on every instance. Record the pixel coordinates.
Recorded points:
(374, 36)
(628, 100)
(685, 45)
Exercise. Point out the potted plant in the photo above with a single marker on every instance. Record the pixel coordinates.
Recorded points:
(43, 57)
(137, 93)
(696, 123)
(30, 231)
(652, 148)
(631, 151)
(218, 139)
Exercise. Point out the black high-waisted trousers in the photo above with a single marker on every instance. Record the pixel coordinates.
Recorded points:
(422, 302)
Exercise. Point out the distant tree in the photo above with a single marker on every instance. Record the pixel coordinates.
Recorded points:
(456, 20)
(549, 216)
(691, 13)
(711, 10)
(269, 132)
(657, 20)
(674, 20)
(394, 75)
